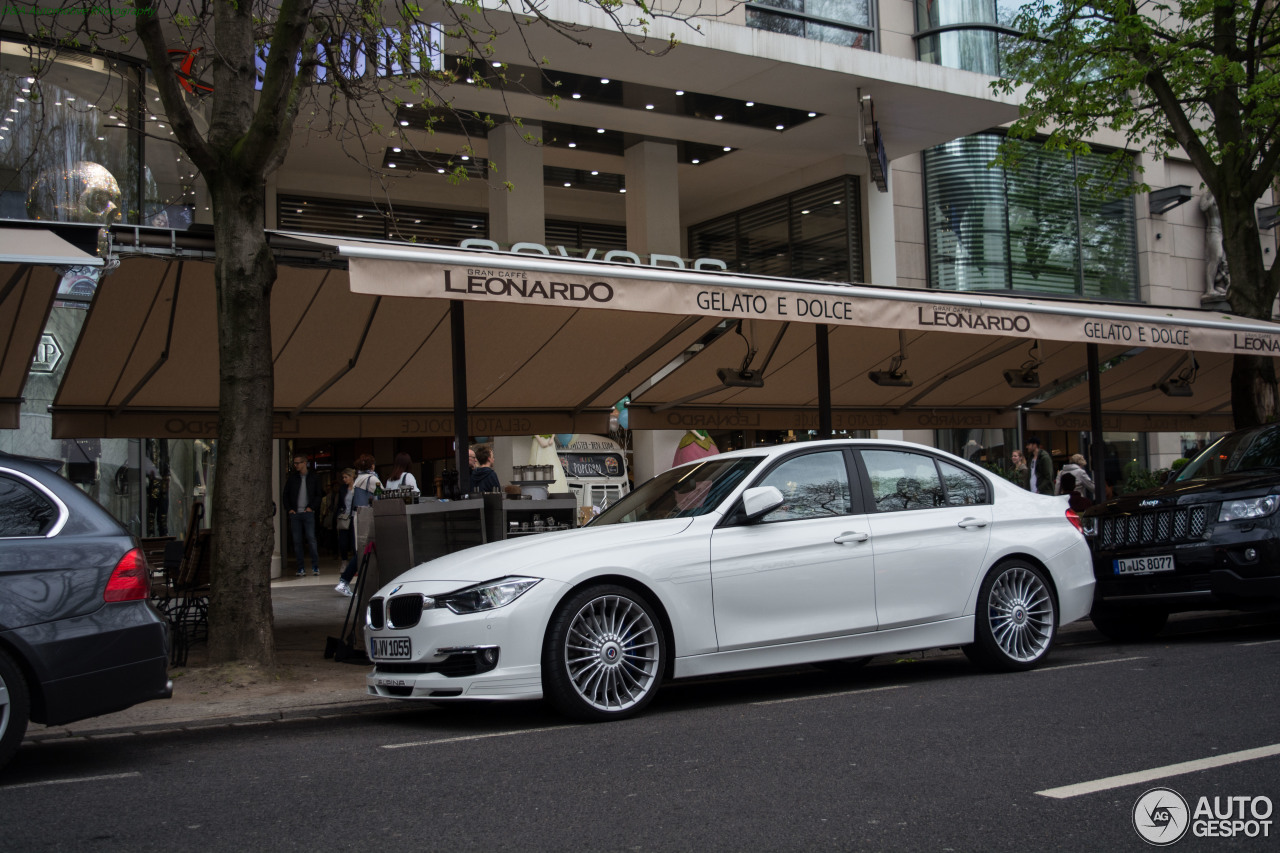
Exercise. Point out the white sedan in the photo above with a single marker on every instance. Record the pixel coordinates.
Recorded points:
(817, 552)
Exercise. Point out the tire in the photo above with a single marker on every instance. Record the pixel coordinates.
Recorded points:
(1016, 619)
(604, 654)
(842, 665)
(15, 707)
(1128, 624)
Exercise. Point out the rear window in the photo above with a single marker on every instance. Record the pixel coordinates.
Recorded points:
(24, 511)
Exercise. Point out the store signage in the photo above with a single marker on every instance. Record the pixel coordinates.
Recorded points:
(48, 354)
(617, 256)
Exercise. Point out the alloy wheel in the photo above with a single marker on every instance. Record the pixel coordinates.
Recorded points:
(612, 653)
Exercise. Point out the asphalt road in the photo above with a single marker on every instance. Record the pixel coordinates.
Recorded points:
(914, 754)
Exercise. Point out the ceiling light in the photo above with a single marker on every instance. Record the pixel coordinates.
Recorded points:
(69, 100)
(648, 106)
(779, 127)
(599, 130)
(624, 189)
(299, 210)
(804, 213)
(573, 145)
(604, 80)
(359, 216)
(466, 156)
(391, 165)
(576, 96)
(408, 106)
(837, 201)
(679, 91)
(404, 123)
(719, 118)
(396, 150)
(727, 148)
(21, 100)
(813, 115)
(417, 222)
(751, 103)
(440, 171)
(695, 161)
(567, 184)
(595, 172)
(496, 64)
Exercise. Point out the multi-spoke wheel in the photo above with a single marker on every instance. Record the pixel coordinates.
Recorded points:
(604, 654)
(14, 707)
(1016, 620)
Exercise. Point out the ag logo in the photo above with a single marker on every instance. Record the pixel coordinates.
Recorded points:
(1161, 816)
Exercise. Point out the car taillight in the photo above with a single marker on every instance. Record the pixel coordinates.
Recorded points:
(130, 580)
(1074, 518)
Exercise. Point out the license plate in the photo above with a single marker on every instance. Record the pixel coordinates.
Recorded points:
(390, 648)
(1144, 565)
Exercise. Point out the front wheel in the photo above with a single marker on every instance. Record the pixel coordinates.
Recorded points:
(1016, 620)
(15, 708)
(604, 654)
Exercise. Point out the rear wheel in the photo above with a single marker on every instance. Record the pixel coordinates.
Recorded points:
(604, 655)
(1128, 624)
(1016, 619)
(15, 707)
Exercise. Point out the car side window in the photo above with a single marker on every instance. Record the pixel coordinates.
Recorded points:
(963, 488)
(902, 480)
(23, 510)
(813, 485)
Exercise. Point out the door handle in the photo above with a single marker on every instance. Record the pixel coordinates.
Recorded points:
(846, 538)
(972, 522)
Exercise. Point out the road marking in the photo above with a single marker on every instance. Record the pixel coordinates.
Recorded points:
(1259, 643)
(1090, 663)
(69, 781)
(830, 695)
(439, 741)
(1160, 772)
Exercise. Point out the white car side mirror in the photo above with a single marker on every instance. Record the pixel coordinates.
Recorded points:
(760, 501)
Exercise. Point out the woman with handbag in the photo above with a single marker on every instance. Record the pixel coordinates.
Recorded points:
(346, 542)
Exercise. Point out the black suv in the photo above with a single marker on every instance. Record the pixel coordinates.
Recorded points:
(78, 635)
(1208, 539)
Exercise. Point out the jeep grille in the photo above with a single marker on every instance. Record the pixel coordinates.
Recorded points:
(1169, 525)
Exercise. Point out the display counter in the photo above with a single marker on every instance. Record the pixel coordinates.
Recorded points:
(412, 533)
(508, 518)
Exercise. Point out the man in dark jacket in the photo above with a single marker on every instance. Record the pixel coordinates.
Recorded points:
(1041, 465)
(301, 500)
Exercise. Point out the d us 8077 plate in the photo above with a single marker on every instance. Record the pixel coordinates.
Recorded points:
(1144, 565)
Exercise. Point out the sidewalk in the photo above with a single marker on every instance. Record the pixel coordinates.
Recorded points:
(306, 611)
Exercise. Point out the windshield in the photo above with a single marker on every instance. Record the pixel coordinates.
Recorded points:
(682, 492)
(1248, 450)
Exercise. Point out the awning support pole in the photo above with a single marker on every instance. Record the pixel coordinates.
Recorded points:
(823, 352)
(461, 432)
(1097, 451)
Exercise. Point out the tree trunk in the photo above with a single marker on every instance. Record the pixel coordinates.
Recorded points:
(240, 616)
(1252, 294)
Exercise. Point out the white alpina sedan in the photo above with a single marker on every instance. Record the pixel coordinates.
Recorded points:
(818, 552)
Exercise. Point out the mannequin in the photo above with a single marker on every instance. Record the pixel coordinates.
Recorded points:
(542, 451)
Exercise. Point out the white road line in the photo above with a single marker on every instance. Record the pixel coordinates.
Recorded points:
(830, 695)
(1090, 663)
(474, 737)
(68, 781)
(1151, 775)
(1259, 643)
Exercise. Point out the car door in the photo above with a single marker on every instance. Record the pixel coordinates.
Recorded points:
(803, 571)
(930, 524)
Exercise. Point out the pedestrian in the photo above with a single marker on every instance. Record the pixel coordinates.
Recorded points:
(1076, 468)
(301, 500)
(1077, 500)
(1021, 474)
(364, 490)
(483, 477)
(401, 478)
(1041, 465)
(346, 541)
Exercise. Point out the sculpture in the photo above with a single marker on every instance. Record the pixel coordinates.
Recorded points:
(1217, 278)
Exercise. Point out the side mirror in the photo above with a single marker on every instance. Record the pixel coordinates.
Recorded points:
(760, 501)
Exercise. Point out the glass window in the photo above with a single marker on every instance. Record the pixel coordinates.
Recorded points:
(843, 22)
(683, 492)
(1033, 229)
(963, 488)
(814, 234)
(966, 34)
(814, 485)
(903, 480)
(23, 510)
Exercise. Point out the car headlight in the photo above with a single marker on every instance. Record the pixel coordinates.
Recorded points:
(1248, 508)
(488, 595)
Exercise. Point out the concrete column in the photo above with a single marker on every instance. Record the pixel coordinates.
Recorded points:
(652, 451)
(517, 213)
(882, 241)
(653, 199)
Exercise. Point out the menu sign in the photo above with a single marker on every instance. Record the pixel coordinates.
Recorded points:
(589, 466)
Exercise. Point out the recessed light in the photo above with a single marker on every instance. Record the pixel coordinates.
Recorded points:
(779, 127)
(576, 96)
(599, 130)
(804, 212)
(813, 115)
(567, 184)
(441, 171)
(69, 100)
(417, 222)
(408, 106)
(595, 172)
(604, 80)
(573, 145)
(719, 118)
(153, 118)
(159, 125)
(21, 100)
(648, 106)
(299, 210)
(404, 123)
(679, 91)
(396, 150)
(101, 138)
(359, 216)
(696, 161)
(837, 201)
(624, 189)
(751, 103)
(496, 64)
(391, 165)
(466, 157)
(727, 148)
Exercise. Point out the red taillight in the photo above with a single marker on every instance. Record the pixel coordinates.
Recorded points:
(1074, 519)
(131, 579)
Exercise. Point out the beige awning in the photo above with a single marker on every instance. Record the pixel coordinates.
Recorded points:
(552, 343)
(29, 276)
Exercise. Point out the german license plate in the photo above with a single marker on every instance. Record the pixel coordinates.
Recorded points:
(390, 648)
(1144, 565)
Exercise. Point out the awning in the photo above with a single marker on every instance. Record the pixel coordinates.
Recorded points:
(29, 276)
(552, 343)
